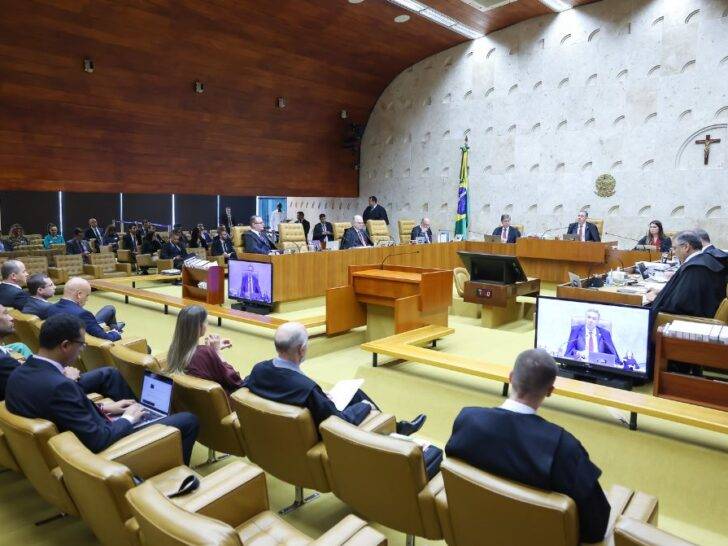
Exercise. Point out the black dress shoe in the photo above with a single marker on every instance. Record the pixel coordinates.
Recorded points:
(407, 428)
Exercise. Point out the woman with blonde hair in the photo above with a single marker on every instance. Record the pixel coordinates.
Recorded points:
(205, 361)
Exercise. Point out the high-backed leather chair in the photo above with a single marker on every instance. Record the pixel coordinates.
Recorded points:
(404, 228)
(23, 329)
(339, 229)
(283, 441)
(219, 426)
(292, 236)
(460, 277)
(72, 266)
(7, 459)
(475, 504)
(132, 364)
(98, 351)
(378, 231)
(722, 313)
(599, 223)
(521, 228)
(237, 234)
(233, 510)
(35, 264)
(104, 265)
(632, 532)
(382, 478)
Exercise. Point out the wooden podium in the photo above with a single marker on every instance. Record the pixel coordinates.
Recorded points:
(499, 300)
(389, 299)
(214, 294)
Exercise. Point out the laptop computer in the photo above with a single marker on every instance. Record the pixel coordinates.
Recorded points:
(156, 398)
(574, 280)
(569, 237)
(491, 238)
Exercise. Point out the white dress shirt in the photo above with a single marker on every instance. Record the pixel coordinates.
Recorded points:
(517, 407)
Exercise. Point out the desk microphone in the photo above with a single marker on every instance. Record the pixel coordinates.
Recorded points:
(622, 237)
(397, 254)
(553, 229)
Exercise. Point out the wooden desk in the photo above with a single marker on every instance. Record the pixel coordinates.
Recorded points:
(607, 294)
(499, 300)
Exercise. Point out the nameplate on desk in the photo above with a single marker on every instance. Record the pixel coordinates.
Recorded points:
(486, 293)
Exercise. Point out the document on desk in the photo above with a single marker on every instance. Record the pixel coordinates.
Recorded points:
(342, 393)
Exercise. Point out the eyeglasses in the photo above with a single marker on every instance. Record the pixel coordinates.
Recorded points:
(82, 344)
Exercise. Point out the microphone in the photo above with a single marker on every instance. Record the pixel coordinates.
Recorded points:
(621, 237)
(397, 254)
(553, 229)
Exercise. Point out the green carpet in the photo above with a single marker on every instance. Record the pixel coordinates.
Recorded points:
(686, 468)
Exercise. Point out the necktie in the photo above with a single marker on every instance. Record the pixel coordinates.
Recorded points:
(361, 238)
(504, 235)
(592, 348)
(581, 232)
(427, 237)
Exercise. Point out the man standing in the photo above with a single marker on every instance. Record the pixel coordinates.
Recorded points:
(255, 240)
(94, 232)
(506, 233)
(78, 245)
(513, 442)
(41, 289)
(323, 231)
(276, 217)
(300, 219)
(375, 211)
(131, 242)
(14, 276)
(422, 231)
(584, 231)
(589, 337)
(356, 235)
(228, 220)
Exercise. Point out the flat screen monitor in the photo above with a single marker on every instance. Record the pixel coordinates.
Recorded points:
(493, 268)
(250, 282)
(595, 336)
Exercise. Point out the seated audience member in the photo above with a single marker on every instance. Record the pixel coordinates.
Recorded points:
(151, 243)
(255, 241)
(5, 246)
(78, 245)
(14, 277)
(41, 288)
(40, 389)
(323, 231)
(301, 219)
(111, 238)
(174, 250)
(205, 235)
(656, 237)
(710, 248)
(17, 237)
(222, 244)
(75, 293)
(53, 237)
(584, 231)
(196, 239)
(356, 235)
(697, 287)
(282, 380)
(205, 361)
(423, 230)
(588, 338)
(513, 442)
(7, 362)
(93, 231)
(506, 233)
(131, 242)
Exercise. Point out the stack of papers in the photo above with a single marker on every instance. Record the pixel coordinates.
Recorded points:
(696, 331)
(198, 263)
(342, 393)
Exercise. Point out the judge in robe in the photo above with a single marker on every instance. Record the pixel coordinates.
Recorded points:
(375, 211)
(356, 235)
(514, 443)
(422, 231)
(255, 241)
(584, 231)
(710, 248)
(323, 231)
(698, 286)
(588, 338)
(506, 233)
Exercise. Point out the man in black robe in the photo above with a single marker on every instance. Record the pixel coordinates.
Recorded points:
(697, 287)
(710, 248)
(375, 211)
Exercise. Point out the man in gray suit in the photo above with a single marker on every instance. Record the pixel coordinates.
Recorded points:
(41, 288)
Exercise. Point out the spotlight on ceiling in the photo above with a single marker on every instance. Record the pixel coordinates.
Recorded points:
(401, 18)
(281, 102)
(199, 87)
(88, 65)
(556, 5)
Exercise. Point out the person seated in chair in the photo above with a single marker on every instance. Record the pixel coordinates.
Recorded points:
(17, 238)
(41, 288)
(710, 248)
(111, 238)
(423, 231)
(14, 276)
(53, 237)
(589, 337)
(282, 380)
(514, 443)
(584, 231)
(174, 250)
(222, 244)
(656, 237)
(78, 245)
(323, 231)
(197, 240)
(356, 235)
(45, 388)
(7, 362)
(255, 241)
(75, 293)
(94, 232)
(151, 243)
(506, 233)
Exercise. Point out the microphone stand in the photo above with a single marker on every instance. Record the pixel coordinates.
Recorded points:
(552, 229)
(397, 254)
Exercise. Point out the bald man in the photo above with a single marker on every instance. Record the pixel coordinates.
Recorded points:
(356, 235)
(75, 294)
(423, 230)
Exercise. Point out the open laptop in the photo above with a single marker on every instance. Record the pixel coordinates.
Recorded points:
(492, 238)
(156, 398)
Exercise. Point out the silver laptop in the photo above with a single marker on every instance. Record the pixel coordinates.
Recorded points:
(156, 398)
(332, 245)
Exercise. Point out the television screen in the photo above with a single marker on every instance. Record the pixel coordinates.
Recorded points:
(250, 281)
(493, 268)
(599, 336)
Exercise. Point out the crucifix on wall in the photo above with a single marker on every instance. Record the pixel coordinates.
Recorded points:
(706, 142)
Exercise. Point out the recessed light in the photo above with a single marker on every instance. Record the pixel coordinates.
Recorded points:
(401, 18)
(556, 5)
(355, 1)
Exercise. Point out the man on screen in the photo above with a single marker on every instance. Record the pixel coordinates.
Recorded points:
(250, 286)
(588, 338)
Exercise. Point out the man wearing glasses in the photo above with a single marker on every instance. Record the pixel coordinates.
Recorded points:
(255, 241)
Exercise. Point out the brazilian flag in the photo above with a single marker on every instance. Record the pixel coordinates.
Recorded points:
(461, 218)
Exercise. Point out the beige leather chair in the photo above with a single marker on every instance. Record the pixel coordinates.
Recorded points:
(339, 229)
(521, 228)
(292, 237)
(283, 441)
(97, 353)
(104, 265)
(378, 231)
(460, 277)
(382, 478)
(7, 459)
(27, 328)
(72, 266)
(475, 504)
(238, 232)
(35, 264)
(600, 225)
(199, 252)
(219, 426)
(404, 228)
(132, 364)
(632, 532)
(229, 509)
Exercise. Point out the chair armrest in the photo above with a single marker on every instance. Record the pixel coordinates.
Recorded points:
(163, 264)
(138, 344)
(95, 397)
(94, 270)
(58, 274)
(126, 268)
(132, 527)
(642, 507)
(123, 255)
(149, 451)
(233, 494)
(443, 514)
(426, 500)
(381, 423)
(162, 359)
(637, 532)
(351, 531)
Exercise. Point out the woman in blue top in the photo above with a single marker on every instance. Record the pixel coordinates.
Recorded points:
(53, 237)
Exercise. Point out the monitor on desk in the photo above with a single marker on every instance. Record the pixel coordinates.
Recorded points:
(250, 282)
(595, 336)
(493, 268)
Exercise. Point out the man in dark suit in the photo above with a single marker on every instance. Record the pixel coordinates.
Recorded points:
(375, 211)
(40, 389)
(255, 241)
(300, 219)
(513, 442)
(710, 248)
(205, 235)
(590, 338)
(131, 242)
(7, 362)
(75, 293)
(14, 277)
(356, 235)
(78, 245)
(41, 288)
(228, 220)
(506, 233)
(174, 250)
(698, 286)
(323, 231)
(222, 244)
(250, 285)
(423, 230)
(584, 231)
(94, 232)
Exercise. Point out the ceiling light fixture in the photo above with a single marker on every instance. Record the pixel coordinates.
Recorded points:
(556, 5)
(355, 1)
(439, 18)
(436, 17)
(401, 18)
(411, 5)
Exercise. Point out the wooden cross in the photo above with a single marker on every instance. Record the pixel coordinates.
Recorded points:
(707, 142)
